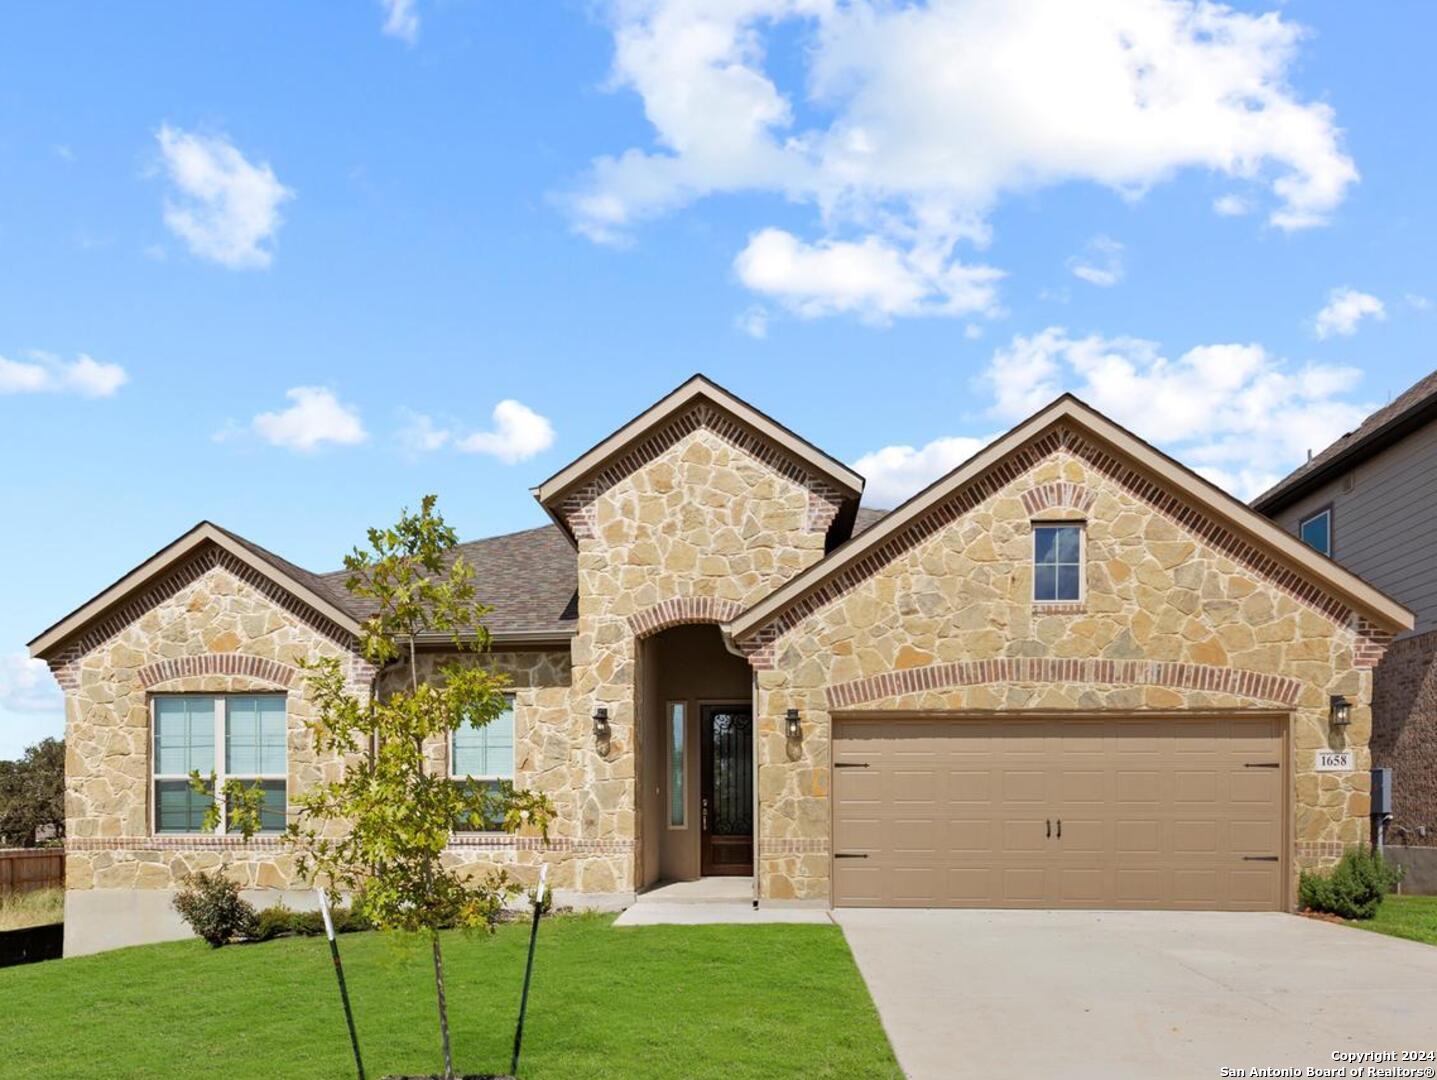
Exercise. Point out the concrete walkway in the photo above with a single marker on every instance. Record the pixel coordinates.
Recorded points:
(709, 900)
(1150, 994)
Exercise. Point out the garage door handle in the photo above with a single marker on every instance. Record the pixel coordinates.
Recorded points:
(1262, 765)
(1260, 858)
(1060, 828)
(1048, 822)
(849, 855)
(850, 764)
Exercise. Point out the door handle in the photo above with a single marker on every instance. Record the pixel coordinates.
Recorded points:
(1060, 828)
(1048, 824)
(704, 816)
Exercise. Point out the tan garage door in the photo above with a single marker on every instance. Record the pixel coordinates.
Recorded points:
(1168, 812)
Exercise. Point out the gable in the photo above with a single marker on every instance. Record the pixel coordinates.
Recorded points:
(699, 405)
(1190, 505)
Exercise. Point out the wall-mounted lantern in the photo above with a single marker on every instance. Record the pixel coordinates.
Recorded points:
(1340, 712)
(792, 726)
(601, 723)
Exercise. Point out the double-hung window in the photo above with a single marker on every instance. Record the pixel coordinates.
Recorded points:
(485, 755)
(234, 737)
(1057, 563)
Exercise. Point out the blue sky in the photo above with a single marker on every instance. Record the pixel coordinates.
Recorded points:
(278, 265)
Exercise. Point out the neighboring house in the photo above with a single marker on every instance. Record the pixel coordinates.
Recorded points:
(1070, 673)
(1370, 501)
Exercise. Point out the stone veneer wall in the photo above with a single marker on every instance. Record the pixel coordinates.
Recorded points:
(1404, 735)
(1177, 615)
(701, 521)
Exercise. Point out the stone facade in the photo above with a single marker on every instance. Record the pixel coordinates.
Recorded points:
(695, 523)
(705, 522)
(1177, 615)
(1404, 735)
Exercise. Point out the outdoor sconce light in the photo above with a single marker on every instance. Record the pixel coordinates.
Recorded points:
(601, 723)
(791, 724)
(1341, 711)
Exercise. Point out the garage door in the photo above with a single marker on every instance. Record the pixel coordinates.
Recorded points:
(1127, 813)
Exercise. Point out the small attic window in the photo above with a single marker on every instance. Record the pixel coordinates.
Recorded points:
(1316, 530)
(1057, 563)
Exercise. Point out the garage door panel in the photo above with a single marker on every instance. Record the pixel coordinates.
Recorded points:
(1156, 812)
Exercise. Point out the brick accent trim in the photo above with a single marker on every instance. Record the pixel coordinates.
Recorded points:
(64, 664)
(1060, 494)
(1043, 669)
(682, 610)
(485, 841)
(1372, 644)
(760, 645)
(257, 667)
(1076, 607)
(1320, 849)
(793, 845)
(824, 498)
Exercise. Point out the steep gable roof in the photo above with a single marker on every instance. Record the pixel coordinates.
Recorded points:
(1414, 408)
(695, 391)
(866, 551)
(304, 586)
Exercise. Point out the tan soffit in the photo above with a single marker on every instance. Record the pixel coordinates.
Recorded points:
(157, 564)
(1383, 610)
(694, 388)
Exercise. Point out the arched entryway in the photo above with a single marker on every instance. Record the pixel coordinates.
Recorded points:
(695, 764)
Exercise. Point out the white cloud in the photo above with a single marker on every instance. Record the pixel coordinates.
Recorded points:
(896, 472)
(26, 685)
(1345, 308)
(753, 321)
(420, 435)
(1417, 302)
(519, 433)
(223, 207)
(1232, 205)
(1103, 265)
(401, 20)
(315, 419)
(46, 374)
(871, 278)
(908, 123)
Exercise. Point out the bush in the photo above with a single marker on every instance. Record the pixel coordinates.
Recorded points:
(210, 903)
(280, 921)
(1353, 889)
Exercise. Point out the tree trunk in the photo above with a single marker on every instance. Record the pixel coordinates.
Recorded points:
(443, 1007)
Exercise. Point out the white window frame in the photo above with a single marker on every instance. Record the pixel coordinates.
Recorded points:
(220, 702)
(683, 751)
(513, 768)
(1326, 512)
(1082, 527)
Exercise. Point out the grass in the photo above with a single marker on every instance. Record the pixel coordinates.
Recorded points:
(1413, 917)
(662, 1001)
(34, 908)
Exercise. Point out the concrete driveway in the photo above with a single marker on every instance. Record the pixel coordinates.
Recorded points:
(1148, 994)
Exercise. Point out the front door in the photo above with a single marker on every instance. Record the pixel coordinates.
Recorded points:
(726, 838)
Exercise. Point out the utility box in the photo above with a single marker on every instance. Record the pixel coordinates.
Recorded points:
(1381, 792)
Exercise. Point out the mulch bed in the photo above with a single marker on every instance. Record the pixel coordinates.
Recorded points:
(1323, 916)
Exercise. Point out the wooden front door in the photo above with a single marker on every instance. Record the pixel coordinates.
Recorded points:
(726, 837)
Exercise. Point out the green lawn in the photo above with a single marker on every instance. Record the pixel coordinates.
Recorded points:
(662, 1001)
(1412, 917)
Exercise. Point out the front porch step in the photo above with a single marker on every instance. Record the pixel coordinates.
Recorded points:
(709, 890)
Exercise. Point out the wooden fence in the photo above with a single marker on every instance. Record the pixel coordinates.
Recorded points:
(23, 869)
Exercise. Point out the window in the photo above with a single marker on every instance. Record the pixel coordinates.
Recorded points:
(1057, 562)
(484, 755)
(188, 729)
(1316, 531)
(677, 819)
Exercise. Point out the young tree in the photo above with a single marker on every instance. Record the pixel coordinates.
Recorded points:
(379, 831)
(32, 795)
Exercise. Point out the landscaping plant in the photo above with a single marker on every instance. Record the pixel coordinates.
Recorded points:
(379, 831)
(211, 904)
(1353, 889)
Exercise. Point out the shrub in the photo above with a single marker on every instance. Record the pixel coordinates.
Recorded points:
(280, 921)
(272, 922)
(211, 904)
(1353, 889)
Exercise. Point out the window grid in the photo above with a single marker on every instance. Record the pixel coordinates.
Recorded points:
(188, 731)
(1058, 552)
(484, 755)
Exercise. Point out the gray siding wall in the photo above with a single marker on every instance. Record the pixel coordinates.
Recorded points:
(1385, 528)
